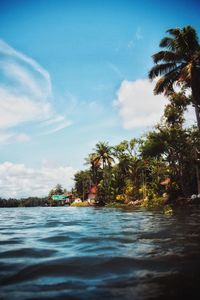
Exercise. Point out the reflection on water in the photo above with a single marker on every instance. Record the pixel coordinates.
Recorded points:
(90, 253)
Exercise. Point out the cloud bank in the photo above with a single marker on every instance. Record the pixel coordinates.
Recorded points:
(18, 180)
(138, 107)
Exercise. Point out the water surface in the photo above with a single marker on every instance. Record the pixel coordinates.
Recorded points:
(91, 253)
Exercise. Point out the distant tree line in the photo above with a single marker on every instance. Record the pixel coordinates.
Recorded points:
(25, 202)
(33, 201)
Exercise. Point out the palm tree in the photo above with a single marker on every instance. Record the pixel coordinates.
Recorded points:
(94, 163)
(103, 155)
(179, 64)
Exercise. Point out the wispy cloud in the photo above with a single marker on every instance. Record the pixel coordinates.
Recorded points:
(59, 127)
(28, 81)
(131, 44)
(25, 93)
(7, 50)
(55, 120)
(137, 36)
(9, 138)
(138, 33)
(16, 109)
(116, 70)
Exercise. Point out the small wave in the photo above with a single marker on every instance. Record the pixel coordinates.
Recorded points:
(56, 239)
(87, 267)
(27, 252)
(12, 241)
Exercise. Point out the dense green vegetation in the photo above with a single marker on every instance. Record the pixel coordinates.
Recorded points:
(141, 165)
(165, 163)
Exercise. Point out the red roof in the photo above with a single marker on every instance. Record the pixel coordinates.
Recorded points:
(166, 181)
(93, 189)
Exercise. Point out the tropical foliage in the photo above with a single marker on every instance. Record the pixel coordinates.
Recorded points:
(138, 169)
(179, 64)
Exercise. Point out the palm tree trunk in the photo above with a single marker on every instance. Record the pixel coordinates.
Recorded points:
(198, 179)
(196, 95)
(197, 170)
(197, 112)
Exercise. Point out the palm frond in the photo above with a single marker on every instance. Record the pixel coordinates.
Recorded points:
(165, 83)
(161, 69)
(175, 32)
(167, 56)
(190, 35)
(168, 42)
(162, 84)
(97, 161)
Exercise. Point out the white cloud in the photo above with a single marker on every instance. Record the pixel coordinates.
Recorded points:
(25, 92)
(137, 105)
(16, 109)
(18, 180)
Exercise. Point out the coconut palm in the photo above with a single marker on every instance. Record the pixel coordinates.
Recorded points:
(94, 163)
(179, 64)
(103, 155)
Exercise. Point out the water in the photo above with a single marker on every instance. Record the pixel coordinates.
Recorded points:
(91, 253)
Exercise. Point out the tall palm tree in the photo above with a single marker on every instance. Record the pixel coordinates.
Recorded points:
(94, 166)
(179, 64)
(103, 155)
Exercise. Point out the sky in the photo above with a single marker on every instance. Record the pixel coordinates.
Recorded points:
(73, 73)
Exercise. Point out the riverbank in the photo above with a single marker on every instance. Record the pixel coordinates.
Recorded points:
(162, 203)
(157, 202)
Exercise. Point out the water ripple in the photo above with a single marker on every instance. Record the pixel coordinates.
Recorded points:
(89, 253)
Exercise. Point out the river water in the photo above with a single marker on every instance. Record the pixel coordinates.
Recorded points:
(99, 253)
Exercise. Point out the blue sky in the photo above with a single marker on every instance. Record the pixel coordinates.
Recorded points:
(73, 73)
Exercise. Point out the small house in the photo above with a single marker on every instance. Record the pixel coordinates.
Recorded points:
(92, 192)
(61, 200)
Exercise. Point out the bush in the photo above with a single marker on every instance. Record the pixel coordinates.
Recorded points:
(80, 204)
(120, 198)
(156, 202)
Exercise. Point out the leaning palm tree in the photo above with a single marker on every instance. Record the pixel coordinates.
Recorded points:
(103, 155)
(179, 64)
